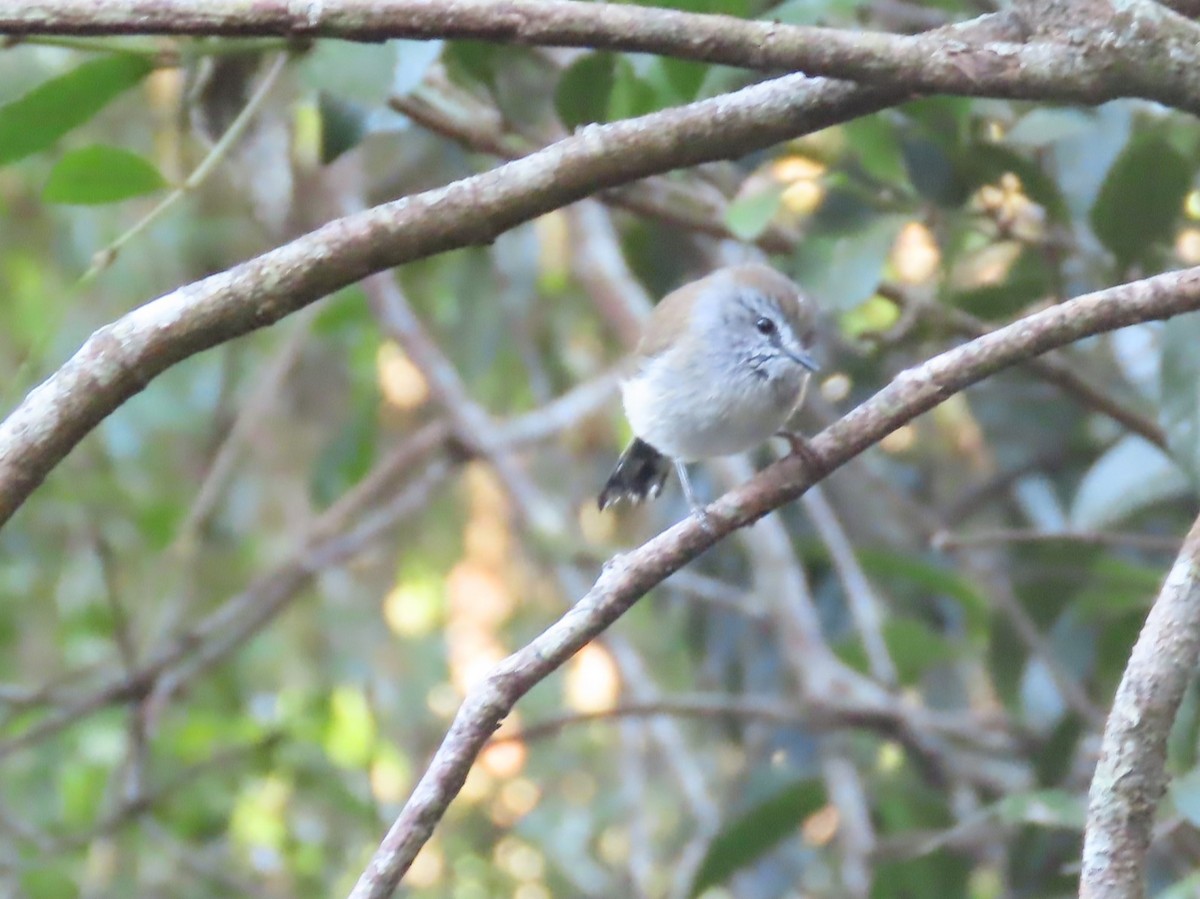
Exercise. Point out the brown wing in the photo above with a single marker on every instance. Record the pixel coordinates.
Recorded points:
(669, 318)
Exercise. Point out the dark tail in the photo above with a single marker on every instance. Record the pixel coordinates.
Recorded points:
(640, 474)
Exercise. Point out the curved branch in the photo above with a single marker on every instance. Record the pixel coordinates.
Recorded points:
(120, 359)
(626, 578)
(1140, 49)
(1131, 776)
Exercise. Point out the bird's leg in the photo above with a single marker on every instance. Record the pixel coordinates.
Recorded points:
(697, 506)
(801, 447)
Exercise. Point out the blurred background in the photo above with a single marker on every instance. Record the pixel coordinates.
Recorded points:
(236, 622)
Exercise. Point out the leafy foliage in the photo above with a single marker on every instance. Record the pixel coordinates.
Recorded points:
(303, 667)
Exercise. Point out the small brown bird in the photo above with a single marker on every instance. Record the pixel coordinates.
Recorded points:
(720, 368)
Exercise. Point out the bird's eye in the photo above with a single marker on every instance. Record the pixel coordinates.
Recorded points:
(765, 326)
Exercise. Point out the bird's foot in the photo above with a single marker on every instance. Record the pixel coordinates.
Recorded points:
(800, 446)
(702, 516)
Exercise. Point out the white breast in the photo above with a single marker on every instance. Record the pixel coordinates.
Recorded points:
(690, 415)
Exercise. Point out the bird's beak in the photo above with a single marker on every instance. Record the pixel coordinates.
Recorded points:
(802, 358)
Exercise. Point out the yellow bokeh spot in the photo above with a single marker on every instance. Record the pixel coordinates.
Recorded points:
(836, 387)
(987, 882)
(400, 381)
(484, 491)
(553, 232)
(478, 593)
(487, 542)
(594, 525)
(988, 266)
(413, 608)
(531, 890)
(478, 786)
(518, 859)
(802, 197)
(1191, 205)
(915, 254)
(473, 653)
(821, 826)
(900, 440)
(614, 845)
(503, 760)
(443, 700)
(259, 815)
(307, 128)
(520, 796)
(391, 775)
(1187, 246)
(870, 317)
(787, 169)
(427, 868)
(578, 787)
(890, 758)
(592, 683)
(350, 735)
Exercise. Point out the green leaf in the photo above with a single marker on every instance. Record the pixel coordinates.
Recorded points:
(806, 12)
(631, 94)
(915, 648)
(413, 59)
(932, 172)
(472, 60)
(1185, 794)
(1131, 475)
(343, 125)
(1187, 888)
(351, 70)
(843, 271)
(1182, 739)
(874, 141)
(48, 882)
(748, 216)
(1026, 281)
(755, 832)
(1043, 808)
(35, 121)
(1115, 587)
(912, 645)
(930, 578)
(347, 456)
(101, 174)
(350, 738)
(584, 90)
(1045, 126)
(684, 76)
(1141, 197)
(80, 790)
(1179, 392)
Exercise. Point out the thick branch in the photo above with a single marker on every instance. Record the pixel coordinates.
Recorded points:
(626, 578)
(1130, 777)
(1142, 49)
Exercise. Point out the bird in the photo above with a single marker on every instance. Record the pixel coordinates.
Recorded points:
(720, 368)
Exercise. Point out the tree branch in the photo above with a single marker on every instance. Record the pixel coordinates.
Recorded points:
(1139, 50)
(1130, 777)
(626, 578)
(120, 359)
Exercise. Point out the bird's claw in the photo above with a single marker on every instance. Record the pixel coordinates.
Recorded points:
(800, 446)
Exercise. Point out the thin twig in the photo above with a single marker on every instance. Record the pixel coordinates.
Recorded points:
(993, 536)
(107, 256)
(865, 606)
